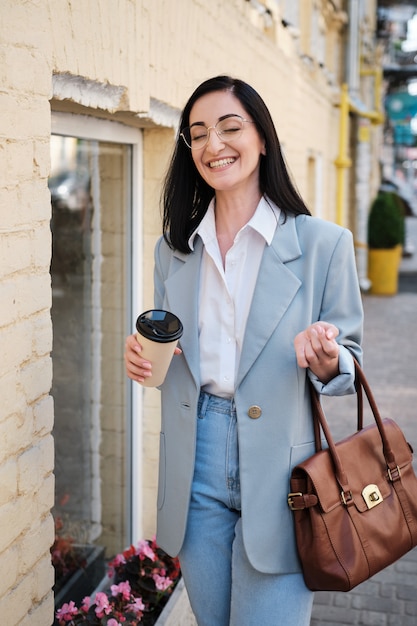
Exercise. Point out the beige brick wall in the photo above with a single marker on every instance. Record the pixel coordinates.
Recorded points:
(26, 411)
(114, 64)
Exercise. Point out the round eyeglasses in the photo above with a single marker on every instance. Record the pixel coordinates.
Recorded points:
(228, 128)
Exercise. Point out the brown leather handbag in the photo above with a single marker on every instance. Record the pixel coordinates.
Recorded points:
(355, 503)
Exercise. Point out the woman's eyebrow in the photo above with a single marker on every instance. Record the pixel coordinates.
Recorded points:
(223, 117)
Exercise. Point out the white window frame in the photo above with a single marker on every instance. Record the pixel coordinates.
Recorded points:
(86, 127)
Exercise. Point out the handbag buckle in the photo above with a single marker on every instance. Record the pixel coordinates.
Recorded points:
(346, 497)
(394, 474)
(290, 501)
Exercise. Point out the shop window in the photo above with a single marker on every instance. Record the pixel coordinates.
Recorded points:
(91, 195)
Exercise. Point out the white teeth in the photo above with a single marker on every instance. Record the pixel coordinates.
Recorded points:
(221, 162)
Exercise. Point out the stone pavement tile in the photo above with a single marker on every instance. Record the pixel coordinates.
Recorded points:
(387, 599)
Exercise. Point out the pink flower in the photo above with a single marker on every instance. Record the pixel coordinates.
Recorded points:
(161, 583)
(137, 606)
(119, 559)
(113, 622)
(102, 604)
(66, 612)
(144, 549)
(122, 588)
(85, 606)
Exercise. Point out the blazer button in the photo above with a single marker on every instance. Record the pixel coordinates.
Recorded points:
(255, 412)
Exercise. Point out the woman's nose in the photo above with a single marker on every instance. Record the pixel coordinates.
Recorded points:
(214, 143)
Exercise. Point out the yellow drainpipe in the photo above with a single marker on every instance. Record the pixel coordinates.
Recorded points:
(343, 161)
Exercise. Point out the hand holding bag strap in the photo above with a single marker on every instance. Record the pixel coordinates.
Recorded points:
(320, 421)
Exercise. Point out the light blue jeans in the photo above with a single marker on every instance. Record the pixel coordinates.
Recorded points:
(224, 589)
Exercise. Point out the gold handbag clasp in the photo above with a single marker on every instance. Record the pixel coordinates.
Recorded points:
(372, 496)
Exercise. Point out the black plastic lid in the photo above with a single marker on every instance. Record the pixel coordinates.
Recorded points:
(160, 326)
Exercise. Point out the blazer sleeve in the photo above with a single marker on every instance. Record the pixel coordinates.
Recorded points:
(342, 306)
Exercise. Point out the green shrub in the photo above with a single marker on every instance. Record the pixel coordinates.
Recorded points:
(386, 225)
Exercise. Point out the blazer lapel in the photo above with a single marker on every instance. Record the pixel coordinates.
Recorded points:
(275, 289)
(181, 289)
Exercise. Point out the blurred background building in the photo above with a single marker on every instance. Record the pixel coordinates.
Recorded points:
(397, 34)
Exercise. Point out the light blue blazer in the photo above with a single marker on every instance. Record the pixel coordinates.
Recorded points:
(308, 273)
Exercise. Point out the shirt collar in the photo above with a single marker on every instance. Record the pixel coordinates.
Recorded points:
(264, 221)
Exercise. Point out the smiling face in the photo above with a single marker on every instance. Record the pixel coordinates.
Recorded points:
(227, 165)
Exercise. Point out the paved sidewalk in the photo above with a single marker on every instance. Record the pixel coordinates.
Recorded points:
(390, 363)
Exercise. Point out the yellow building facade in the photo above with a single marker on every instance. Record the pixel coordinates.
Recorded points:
(91, 93)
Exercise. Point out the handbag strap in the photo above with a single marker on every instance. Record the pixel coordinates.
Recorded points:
(316, 422)
(320, 422)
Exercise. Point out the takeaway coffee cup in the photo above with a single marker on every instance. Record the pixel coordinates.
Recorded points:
(158, 334)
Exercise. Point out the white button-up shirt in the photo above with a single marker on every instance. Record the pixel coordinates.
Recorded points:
(226, 293)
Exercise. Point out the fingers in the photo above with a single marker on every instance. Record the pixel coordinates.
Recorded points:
(322, 343)
(137, 368)
(300, 343)
(316, 348)
(330, 330)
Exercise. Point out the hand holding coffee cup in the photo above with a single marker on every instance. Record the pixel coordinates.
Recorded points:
(158, 334)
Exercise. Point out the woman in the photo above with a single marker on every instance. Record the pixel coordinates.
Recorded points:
(268, 295)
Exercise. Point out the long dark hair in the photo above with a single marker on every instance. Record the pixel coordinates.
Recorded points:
(186, 196)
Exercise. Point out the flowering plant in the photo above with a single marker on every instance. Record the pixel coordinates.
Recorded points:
(144, 577)
(114, 609)
(149, 570)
